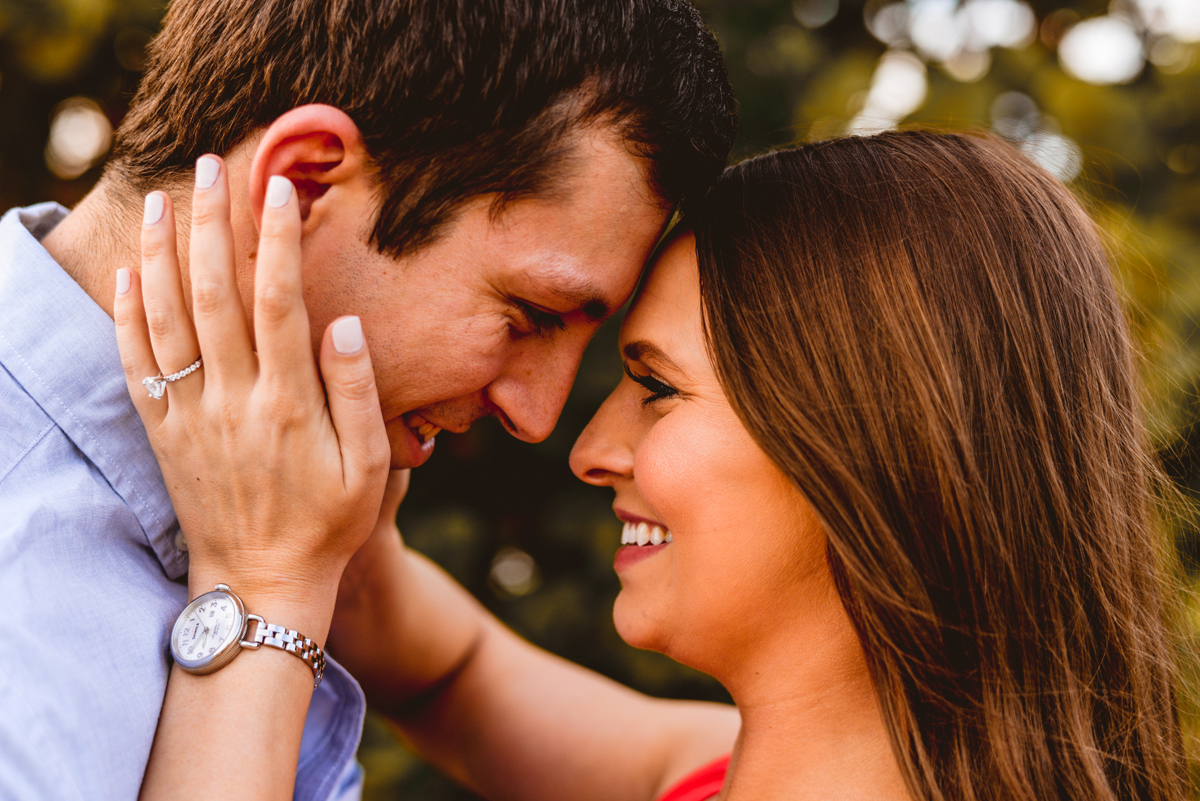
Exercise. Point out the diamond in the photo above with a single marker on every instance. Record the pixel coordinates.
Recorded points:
(155, 386)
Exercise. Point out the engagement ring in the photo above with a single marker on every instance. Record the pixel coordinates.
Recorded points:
(157, 385)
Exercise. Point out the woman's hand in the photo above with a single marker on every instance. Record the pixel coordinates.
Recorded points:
(276, 480)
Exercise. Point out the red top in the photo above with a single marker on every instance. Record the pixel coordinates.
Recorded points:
(703, 784)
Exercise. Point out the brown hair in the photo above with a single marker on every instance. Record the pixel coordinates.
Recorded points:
(454, 98)
(922, 331)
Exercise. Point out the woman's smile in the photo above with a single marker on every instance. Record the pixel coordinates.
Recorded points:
(644, 534)
(640, 539)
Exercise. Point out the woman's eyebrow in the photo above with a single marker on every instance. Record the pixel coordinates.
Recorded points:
(642, 350)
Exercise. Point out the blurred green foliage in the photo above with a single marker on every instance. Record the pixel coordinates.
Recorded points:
(802, 70)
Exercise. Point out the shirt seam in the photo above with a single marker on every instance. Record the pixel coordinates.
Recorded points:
(41, 436)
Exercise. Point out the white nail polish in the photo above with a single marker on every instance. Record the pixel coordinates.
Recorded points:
(122, 281)
(154, 209)
(348, 336)
(279, 191)
(207, 170)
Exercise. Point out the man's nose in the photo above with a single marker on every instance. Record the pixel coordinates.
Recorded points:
(533, 388)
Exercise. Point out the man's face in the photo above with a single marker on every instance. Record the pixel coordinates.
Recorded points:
(493, 318)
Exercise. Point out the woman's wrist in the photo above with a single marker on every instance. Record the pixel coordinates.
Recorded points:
(304, 605)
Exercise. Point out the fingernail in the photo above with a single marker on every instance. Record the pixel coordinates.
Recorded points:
(348, 336)
(154, 208)
(122, 281)
(207, 170)
(279, 191)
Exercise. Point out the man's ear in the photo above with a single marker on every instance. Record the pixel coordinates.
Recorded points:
(316, 147)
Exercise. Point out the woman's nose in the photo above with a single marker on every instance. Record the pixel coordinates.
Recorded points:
(603, 454)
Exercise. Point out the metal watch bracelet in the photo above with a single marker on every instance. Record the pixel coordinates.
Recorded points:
(221, 614)
(288, 640)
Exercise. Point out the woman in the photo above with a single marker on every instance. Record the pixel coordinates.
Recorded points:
(880, 454)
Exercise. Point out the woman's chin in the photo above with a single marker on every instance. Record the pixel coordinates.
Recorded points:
(636, 623)
(653, 633)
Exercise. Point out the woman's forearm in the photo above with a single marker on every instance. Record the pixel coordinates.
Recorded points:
(402, 626)
(236, 732)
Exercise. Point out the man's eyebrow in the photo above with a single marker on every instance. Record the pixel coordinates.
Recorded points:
(642, 350)
(577, 291)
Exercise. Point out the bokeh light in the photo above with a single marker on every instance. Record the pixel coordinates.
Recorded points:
(937, 29)
(887, 22)
(958, 35)
(814, 13)
(898, 88)
(1171, 56)
(80, 135)
(1017, 118)
(999, 23)
(1058, 154)
(968, 66)
(1102, 50)
(1179, 19)
(514, 573)
(1184, 159)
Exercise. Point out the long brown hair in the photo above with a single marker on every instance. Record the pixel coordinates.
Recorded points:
(922, 331)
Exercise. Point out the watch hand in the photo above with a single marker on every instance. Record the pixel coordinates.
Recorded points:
(201, 625)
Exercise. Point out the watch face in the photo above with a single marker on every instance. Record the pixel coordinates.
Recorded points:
(206, 629)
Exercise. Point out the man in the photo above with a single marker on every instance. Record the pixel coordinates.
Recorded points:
(479, 182)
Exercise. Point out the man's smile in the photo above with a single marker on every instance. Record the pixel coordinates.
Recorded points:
(424, 429)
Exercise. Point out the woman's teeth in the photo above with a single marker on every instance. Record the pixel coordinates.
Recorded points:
(644, 534)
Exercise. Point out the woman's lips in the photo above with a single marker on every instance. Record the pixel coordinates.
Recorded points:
(629, 555)
(640, 539)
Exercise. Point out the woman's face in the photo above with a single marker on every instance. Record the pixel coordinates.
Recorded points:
(745, 561)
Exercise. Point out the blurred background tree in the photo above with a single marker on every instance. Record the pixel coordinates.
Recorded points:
(1106, 95)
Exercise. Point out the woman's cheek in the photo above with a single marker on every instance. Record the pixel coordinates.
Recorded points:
(675, 469)
(679, 470)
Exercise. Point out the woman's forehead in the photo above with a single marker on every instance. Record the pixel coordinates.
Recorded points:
(666, 310)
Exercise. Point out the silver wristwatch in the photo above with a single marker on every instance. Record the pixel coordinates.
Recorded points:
(214, 628)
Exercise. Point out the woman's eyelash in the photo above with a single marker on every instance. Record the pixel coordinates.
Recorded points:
(657, 389)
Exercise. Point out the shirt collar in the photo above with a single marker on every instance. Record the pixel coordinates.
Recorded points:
(62, 348)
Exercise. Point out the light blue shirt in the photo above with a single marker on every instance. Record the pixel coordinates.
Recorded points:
(92, 566)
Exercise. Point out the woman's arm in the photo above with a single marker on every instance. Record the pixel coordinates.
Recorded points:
(499, 715)
(269, 474)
